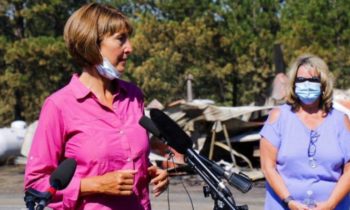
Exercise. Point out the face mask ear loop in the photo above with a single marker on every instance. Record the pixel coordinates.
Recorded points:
(106, 69)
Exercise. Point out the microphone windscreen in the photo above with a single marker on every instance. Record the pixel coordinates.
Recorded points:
(241, 182)
(61, 177)
(173, 134)
(149, 125)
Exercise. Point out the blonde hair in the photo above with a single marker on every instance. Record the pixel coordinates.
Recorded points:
(86, 28)
(326, 79)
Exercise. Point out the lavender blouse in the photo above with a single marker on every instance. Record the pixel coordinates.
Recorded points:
(330, 150)
(73, 124)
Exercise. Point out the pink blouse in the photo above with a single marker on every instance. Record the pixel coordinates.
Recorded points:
(73, 124)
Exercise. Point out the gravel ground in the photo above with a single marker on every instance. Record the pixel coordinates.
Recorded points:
(11, 193)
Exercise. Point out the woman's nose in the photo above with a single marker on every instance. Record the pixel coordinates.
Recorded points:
(128, 47)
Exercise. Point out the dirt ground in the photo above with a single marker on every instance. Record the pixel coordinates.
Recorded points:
(11, 193)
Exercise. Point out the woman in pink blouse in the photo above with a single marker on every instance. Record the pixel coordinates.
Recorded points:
(94, 119)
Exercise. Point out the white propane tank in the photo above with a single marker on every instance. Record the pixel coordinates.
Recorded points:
(11, 139)
(28, 138)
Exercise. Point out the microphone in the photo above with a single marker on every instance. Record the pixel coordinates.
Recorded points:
(240, 181)
(175, 136)
(148, 124)
(171, 131)
(181, 142)
(59, 180)
(63, 174)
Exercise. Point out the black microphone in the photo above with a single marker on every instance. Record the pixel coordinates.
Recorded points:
(181, 142)
(148, 124)
(240, 181)
(59, 180)
(171, 131)
(63, 174)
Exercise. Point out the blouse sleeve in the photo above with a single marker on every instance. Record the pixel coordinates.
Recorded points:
(272, 131)
(47, 151)
(344, 138)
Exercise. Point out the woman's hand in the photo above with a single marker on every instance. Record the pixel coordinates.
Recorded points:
(112, 183)
(295, 205)
(159, 178)
(323, 206)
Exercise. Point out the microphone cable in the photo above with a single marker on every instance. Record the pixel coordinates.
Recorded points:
(171, 156)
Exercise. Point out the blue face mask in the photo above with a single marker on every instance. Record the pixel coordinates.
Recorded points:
(308, 92)
(107, 70)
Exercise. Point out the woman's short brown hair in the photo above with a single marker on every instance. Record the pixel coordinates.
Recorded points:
(325, 77)
(86, 28)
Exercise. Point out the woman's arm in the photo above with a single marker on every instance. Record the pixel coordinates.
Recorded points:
(268, 154)
(46, 153)
(113, 183)
(268, 158)
(341, 189)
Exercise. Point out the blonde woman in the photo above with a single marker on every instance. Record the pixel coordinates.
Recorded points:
(305, 144)
(94, 119)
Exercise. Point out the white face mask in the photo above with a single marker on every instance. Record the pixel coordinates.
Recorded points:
(107, 70)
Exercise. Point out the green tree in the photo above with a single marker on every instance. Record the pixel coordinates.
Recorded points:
(168, 47)
(250, 29)
(35, 68)
(322, 28)
(33, 59)
(227, 46)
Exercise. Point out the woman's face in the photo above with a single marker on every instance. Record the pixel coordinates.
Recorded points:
(116, 49)
(307, 85)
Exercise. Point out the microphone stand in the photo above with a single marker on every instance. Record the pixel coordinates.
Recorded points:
(219, 192)
(171, 131)
(33, 196)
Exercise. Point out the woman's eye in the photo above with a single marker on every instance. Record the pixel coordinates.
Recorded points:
(122, 38)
